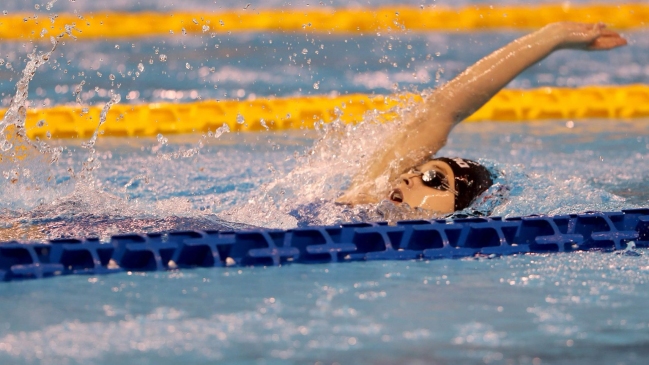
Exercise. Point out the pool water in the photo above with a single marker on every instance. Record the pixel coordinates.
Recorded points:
(578, 308)
(530, 309)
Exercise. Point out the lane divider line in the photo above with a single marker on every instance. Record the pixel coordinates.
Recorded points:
(103, 25)
(510, 105)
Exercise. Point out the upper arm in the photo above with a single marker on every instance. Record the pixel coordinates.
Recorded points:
(419, 136)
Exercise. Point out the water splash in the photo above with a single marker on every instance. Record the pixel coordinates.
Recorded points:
(50, 4)
(306, 195)
(25, 164)
(12, 125)
(114, 99)
(39, 202)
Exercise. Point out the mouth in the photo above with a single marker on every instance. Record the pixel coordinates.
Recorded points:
(396, 196)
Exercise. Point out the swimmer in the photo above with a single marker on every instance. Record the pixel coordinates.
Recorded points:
(444, 185)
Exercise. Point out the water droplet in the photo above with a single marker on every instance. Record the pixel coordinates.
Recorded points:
(161, 139)
(37, 6)
(116, 98)
(111, 77)
(140, 67)
(40, 123)
(6, 145)
(117, 46)
(163, 58)
(5, 12)
(221, 130)
(188, 66)
(263, 123)
(240, 119)
(305, 51)
(316, 85)
(206, 28)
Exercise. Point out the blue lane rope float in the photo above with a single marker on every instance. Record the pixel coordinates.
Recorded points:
(407, 240)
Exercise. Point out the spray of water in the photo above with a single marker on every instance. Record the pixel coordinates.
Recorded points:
(26, 164)
(307, 194)
(38, 204)
(12, 125)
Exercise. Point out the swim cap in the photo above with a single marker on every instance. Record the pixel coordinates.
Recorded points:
(471, 179)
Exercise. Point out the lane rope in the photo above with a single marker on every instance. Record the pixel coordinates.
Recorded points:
(102, 25)
(407, 240)
(510, 105)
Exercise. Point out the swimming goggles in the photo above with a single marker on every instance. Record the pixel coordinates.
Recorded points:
(433, 179)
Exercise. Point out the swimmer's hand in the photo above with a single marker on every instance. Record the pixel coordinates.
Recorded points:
(585, 36)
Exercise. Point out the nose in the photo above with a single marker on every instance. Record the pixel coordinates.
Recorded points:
(406, 179)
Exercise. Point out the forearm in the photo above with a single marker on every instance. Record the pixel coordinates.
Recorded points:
(426, 130)
(471, 89)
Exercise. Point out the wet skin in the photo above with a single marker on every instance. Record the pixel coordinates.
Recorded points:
(410, 189)
(426, 130)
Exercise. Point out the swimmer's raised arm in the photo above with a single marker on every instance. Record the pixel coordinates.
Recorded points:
(471, 89)
(427, 130)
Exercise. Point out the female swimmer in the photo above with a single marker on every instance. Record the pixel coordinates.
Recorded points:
(444, 185)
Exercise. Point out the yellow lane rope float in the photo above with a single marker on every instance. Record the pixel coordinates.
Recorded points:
(615, 102)
(26, 26)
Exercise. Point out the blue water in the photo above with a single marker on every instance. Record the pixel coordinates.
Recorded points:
(579, 308)
(264, 64)
(586, 308)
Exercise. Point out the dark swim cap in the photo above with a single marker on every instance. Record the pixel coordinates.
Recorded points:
(471, 180)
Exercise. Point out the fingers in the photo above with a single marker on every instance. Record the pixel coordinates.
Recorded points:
(608, 39)
(604, 43)
(594, 30)
(595, 36)
(608, 33)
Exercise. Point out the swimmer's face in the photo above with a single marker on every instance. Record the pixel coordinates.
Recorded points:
(414, 187)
